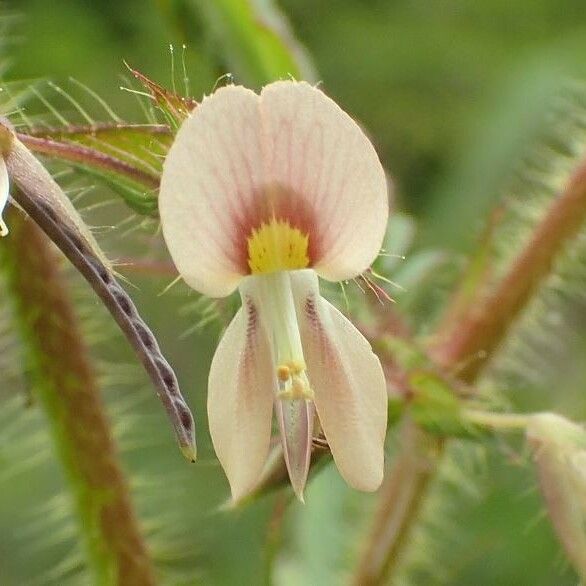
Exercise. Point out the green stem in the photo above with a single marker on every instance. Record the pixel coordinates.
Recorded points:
(497, 421)
(67, 390)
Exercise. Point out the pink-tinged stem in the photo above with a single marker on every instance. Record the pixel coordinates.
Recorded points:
(401, 497)
(87, 156)
(472, 338)
(97, 129)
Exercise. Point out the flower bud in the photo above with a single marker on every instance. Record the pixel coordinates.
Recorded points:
(559, 450)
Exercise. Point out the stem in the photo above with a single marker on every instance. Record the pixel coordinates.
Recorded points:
(401, 497)
(465, 347)
(68, 393)
(84, 155)
(500, 421)
(98, 129)
(472, 338)
(274, 537)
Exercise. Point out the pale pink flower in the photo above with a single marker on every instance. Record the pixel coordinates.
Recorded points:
(264, 193)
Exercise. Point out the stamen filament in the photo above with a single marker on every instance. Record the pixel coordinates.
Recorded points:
(276, 298)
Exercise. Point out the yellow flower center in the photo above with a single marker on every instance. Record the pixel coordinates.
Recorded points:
(277, 246)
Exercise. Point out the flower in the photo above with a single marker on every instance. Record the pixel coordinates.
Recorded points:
(264, 193)
(559, 448)
(4, 189)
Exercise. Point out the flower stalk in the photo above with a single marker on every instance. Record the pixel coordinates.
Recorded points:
(87, 156)
(497, 421)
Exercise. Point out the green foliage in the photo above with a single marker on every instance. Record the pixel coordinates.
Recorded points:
(436, 408)
(254, 40)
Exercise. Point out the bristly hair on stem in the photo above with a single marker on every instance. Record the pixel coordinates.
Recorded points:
(67, 390)
(485, 324)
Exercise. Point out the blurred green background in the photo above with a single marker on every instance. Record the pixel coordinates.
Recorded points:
(454, 93)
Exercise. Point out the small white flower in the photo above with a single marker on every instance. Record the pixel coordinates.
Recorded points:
(4, 189)
(264, 193)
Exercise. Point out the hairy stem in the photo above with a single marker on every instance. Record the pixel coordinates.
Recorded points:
(76, 153)
(471, 339)
(401, 498)
(98, 129)
(464, 347)
(67, 390)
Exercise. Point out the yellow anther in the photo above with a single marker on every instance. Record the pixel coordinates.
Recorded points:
(299, 389)
(288, 369)
(296, 366)
(283, 373)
